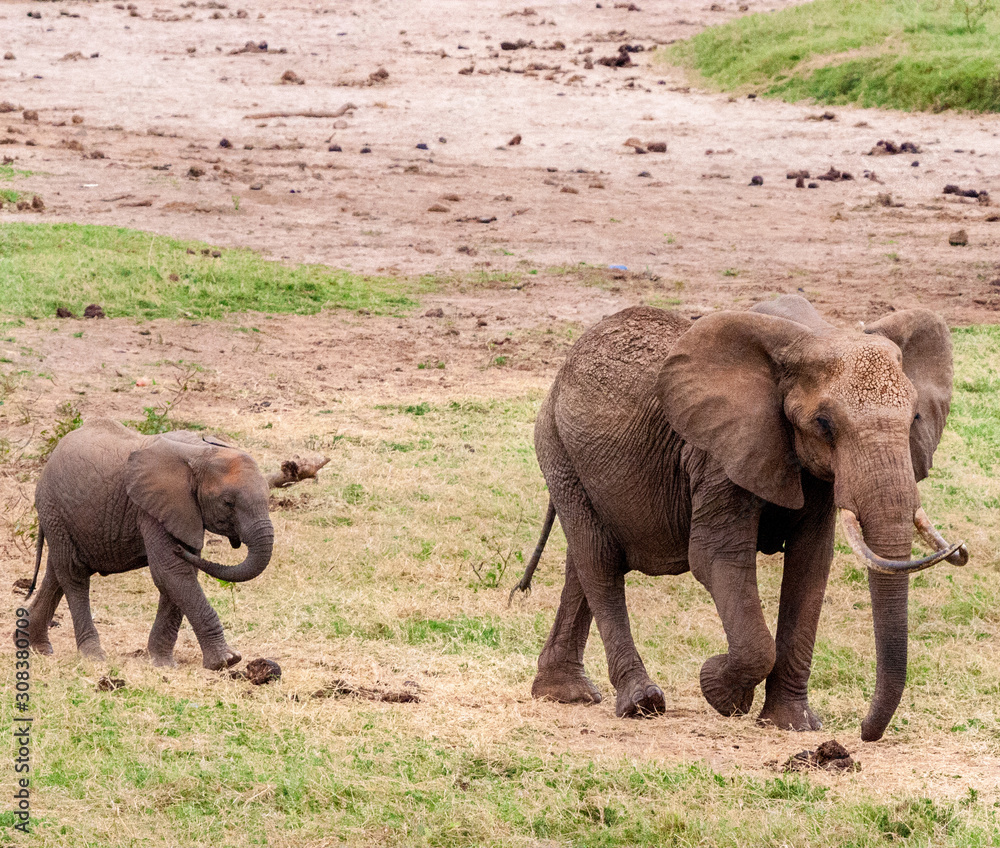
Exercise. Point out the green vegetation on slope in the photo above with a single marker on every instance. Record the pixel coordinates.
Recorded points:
(131, 273)
(900, 54)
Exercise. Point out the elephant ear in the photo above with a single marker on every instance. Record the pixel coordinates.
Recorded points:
(719, 388)
(924, 339)
(796, 308)
(161, 482)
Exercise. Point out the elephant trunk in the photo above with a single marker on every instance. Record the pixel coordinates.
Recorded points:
(888, 583)
(890, 595)
(259, 538)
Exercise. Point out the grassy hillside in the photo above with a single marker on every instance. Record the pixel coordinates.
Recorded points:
(900, 54)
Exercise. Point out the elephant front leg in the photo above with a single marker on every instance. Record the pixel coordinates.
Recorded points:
(560, 667)
(808, 553)
(722, 551)
(177, 581)
(728, 680)
(163, 635)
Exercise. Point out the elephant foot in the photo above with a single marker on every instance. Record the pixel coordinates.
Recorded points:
(566, 688)
(223, 659)
(163, 660)
(789, 715)
(727, 697)
(640, 698)
(92, 650)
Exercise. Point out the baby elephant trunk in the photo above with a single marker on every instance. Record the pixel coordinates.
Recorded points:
(259, 538)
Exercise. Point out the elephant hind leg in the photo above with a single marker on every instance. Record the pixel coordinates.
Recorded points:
(163, 635)
(560, 667)
(42, 609)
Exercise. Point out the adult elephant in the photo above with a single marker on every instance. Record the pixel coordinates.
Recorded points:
(669, 446)
(110, 500)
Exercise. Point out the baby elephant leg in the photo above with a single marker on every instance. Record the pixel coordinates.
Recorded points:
(163, 635)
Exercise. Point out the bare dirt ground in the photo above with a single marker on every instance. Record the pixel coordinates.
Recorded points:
(133, 104)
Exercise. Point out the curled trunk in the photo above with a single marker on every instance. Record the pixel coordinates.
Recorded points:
(259, 541)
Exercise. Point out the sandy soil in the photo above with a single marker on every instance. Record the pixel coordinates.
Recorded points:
(165, 88)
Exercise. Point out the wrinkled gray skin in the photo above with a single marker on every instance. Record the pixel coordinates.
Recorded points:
(110, 500)
(669, 446)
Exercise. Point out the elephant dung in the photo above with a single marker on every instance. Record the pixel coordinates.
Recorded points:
(260, 671)
(109, 684)
(830, 756)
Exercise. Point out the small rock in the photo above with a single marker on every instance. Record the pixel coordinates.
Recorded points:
(29, 115)
(334, 148)
(256, 186)
(959, 238)
(291, 78)
(422, 146)
(800, 182)
(515, 141)
(437, 312)
(569, 190)
(813, 185)
(656, 147)
(757, 181)
(645, 174)
(9, 57)
(194, 171)
(37, 204)
(109, 684)
(94, 310)
(452, 198)
(77, 119)
(225, 143)
(366, 149)
(7, 106)
(797, 175)
(381, 75)
(438, 207)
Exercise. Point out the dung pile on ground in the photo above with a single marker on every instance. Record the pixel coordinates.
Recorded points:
(830, 756)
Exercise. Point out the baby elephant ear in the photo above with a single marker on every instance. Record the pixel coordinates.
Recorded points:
(160, 482)
(924, 339)
(719, 390)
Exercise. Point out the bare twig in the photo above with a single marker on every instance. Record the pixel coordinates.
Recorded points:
(307, 113)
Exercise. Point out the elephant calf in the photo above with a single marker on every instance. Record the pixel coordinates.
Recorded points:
(110, 500)
(670, 447)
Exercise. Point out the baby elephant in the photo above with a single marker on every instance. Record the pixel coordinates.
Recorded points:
(110, 500)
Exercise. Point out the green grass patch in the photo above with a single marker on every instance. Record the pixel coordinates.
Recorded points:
(8, 195)
(899, 54)
(131, 273)
(9, 172)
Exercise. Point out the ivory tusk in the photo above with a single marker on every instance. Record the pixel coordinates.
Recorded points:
(852, 529)
(935, 540)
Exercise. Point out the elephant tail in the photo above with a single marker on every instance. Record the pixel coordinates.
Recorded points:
(38, 561)
(525, 583)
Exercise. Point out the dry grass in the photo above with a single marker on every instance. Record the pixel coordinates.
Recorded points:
(374, 581)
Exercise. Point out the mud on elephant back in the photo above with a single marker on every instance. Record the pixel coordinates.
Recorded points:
(670, 447)
(110, 500)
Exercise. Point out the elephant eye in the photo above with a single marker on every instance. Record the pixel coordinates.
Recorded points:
(230, 502)
(825, 427)
(916, 417)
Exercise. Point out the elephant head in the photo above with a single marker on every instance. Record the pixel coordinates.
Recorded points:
(775, 391)
(191, 485)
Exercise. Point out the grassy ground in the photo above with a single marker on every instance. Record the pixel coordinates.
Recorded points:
(901, 54)
(395, 567)
(131, 273)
